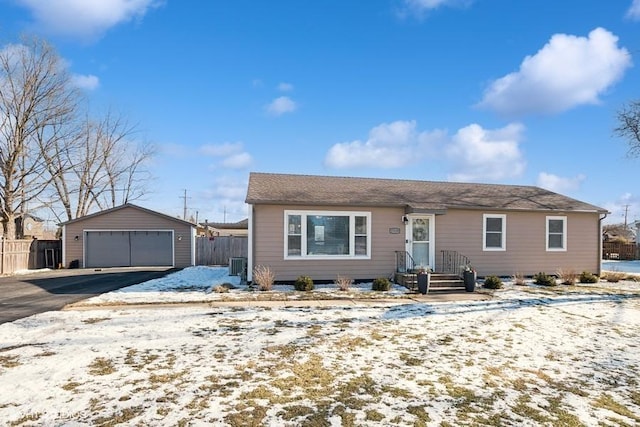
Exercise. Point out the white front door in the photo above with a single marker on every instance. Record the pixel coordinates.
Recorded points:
(420, 240)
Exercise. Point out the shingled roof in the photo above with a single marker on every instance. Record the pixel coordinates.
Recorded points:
(270, 188)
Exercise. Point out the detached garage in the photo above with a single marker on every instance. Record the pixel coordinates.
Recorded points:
(128, 236)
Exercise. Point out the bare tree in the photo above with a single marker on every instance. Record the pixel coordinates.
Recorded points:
(36, 100)
(100, 165)
(629, 127)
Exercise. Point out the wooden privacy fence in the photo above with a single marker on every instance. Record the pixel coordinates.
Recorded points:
(14, 255)
(218, 250)
(45, 254)
(621, 251)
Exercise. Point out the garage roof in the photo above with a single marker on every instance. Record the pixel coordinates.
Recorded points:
(125, 206)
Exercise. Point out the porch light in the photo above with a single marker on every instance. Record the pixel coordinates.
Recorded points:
(405, 219)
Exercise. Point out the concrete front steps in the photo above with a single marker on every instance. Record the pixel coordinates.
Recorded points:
(439, 282)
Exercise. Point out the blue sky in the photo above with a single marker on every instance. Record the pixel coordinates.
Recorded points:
(496, 91)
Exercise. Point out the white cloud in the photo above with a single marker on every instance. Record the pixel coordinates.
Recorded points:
(85, 18)
(221, 150)
(477, 154)
(634, 10)
(560, 184)
(472, 154)
(87, 82)
(281, 105)
(232, 153)
(237, 161)
(285, 87)
(568, 71)
(421, 6)
(390, 145)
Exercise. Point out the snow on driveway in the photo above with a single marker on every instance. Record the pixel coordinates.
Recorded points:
(529, 356)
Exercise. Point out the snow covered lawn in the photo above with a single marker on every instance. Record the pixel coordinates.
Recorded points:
(529, 356)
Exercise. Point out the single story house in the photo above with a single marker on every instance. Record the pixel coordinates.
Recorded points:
(214, 229)
(363, 228)
(128, 236)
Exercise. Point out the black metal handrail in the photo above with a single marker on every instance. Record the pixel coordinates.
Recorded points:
(404, 262)
(454, 262)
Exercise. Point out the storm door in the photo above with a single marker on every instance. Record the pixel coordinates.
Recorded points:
(420, 241)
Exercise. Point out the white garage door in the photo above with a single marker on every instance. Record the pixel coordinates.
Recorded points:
(128, 248)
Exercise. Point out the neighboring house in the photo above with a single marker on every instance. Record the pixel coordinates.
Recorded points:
(30, 227)
(365, 228)
(214, 229)
(128, 236)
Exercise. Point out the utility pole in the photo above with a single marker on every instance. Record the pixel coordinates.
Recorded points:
(626, 212)
(184, 199)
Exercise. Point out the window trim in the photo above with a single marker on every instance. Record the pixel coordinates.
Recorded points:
(503, 242)
(303, 233)
(563, 218)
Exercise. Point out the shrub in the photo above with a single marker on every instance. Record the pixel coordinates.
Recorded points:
(567, 277)
(303, 283)
(264, 277)
(343, 283)
(518, 279)
(381, 284)
(613, 276)
(588, 277)
(493, 282)
(544, 279)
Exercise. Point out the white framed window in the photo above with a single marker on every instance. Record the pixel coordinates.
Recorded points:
(327, 234)
(494, 232)
(556, 233)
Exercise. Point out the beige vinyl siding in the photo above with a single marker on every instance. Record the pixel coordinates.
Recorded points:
(126, 219)
(526, 252)
(268, 245)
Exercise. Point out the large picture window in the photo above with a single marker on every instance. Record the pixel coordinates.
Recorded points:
(314, 234)
(556, 233)
(494, 232)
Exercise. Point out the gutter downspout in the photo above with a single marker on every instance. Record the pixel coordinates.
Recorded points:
(600, 246)
(250, 245)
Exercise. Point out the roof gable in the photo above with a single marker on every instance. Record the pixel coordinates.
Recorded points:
(266, 188)
(127, 206)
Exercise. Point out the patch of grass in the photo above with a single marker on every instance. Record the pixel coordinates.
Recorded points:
(71, 386)
(377, 336)
(284, 350)
(139, 361)
(93, 320)
(397, 392)
(351, 343)
(606, 401)
(524, 409)
(411, 360)
(420, 413)
(9, 361)
(101, 366)
(373, 415)
(119, 417)
(169, 377)
(292, 412)
(360, 385)
(25, 419)
(247, 416)
(446, 340)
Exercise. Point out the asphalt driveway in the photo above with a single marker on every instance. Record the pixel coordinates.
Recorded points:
(25, 295)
